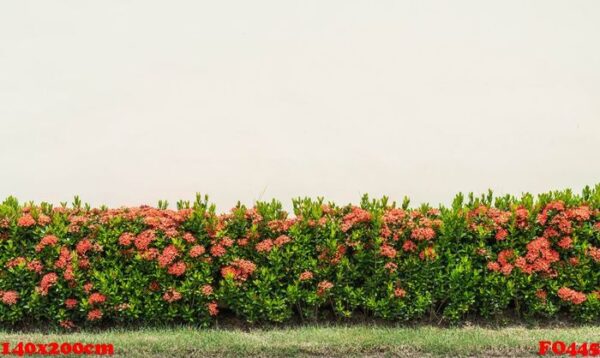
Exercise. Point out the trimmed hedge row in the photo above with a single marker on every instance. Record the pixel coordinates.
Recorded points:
(483, 256)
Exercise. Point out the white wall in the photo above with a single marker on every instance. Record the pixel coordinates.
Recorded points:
(128, 102)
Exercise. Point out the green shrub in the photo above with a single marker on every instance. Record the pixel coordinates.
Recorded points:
(483, 256)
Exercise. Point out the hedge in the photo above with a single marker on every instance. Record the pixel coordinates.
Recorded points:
(480, 257)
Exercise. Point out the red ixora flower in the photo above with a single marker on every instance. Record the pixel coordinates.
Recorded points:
(47, 282)
(172, 295)
(306, 275)
(581, 213)
(481, 251)
(213, 308)
(48, 240)
(35, 266)
(501, 234)
(94, 315)
(197, 250)
(70, 303)
(43, 219)
(391, 267)
(387, 251)
(189, 237)
(88, 287)
(227, 241)
(566, 242)
(154, 286)
(323, 287)
(207, 290)
(594, 253)
(26, 221)
(96, 298)
(177, 269)
(493, 266)
(64, 258)
(502, 265)
(569, 295)
(67, 324)
(522, 217)
(282, 240)
(264, 246)
(239, 270)
(144, 239)
(83, 246)
(126, 239)
(409, 246)
(398, 292)
(541, 294)
(422, 234)
(9, 297)
(217, 251)
(539, 258)
(168, 255)
(356, 216)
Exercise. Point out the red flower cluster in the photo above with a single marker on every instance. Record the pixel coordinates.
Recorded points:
(177, 269)
(172, 296)
(207, 290)
(503, 265)
(282, 240)
(594, 253)
(409, 246)
(94, 315)
(126, 239)
(70, 303)
(387, 251)
(356, 216)
(47, 282)
(422, 234)
(400, 293)
(542, 295)
(197, 250)
(49, 240)
(26, 221)
(96, 298)
(566, 243)
(264, 246)
(323, 287)
(143, 240)
(217, 251)
(9, 297)
(539, 258)
(213, 308)
(494, 220)
(569, 295)
(306, 275)
(168, 255)
(278, 226)
(239, 270)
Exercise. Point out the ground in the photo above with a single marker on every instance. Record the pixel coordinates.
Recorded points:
(362, 340)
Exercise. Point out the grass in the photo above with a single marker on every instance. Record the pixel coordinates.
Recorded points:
(362, 340)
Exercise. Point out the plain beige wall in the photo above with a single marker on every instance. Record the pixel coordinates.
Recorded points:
(128, 102)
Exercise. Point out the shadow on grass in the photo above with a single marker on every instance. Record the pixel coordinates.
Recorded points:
(229, 321)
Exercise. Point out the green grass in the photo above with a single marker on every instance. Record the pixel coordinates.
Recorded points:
(320, 341)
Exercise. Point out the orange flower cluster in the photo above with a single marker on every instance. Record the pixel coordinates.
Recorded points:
(569, 295)
(239, 270)
(539, 258)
